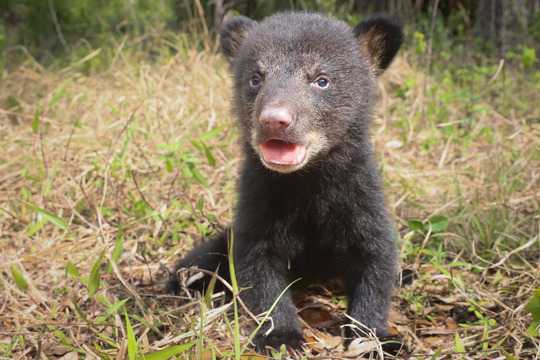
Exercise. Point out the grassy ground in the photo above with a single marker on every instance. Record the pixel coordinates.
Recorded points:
(139, 162)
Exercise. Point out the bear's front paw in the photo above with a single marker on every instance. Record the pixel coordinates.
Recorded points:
(390, 344)
(172, 287)
(394, 346)
(292, 339)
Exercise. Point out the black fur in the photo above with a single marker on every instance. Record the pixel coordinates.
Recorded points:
(323, 217)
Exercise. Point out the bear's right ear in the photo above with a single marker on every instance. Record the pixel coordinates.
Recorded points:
(233, 34)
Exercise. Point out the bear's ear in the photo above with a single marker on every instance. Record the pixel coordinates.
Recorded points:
(380, 36)
(233, 34)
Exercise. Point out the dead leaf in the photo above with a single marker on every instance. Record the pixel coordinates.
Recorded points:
(447, 299)
(429, 309)
(72, 355)
(450, 323)
(206, 354)
(433, 341)
(333, 341)
(444, 307)
(422, 323)
(54, 349)
(397, 317)
(318, 317)
(361, 346)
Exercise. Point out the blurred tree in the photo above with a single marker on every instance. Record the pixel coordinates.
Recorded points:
(503, 24)
(51, 29)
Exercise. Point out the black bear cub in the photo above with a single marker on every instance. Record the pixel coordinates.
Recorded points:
(310, 202)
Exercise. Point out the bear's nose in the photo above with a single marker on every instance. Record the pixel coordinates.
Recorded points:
(275, 118)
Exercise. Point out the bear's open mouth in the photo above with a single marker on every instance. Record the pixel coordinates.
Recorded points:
(279, 152)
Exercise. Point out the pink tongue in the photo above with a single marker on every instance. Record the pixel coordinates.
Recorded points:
(282, 153)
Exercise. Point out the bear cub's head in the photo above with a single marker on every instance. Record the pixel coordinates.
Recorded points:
(304, 82)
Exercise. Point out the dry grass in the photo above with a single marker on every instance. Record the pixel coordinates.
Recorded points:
(98, 161)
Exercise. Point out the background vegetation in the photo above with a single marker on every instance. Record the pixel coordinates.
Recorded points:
(118, 153)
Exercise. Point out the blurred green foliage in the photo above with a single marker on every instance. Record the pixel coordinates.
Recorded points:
(49, 29)
(58, 33)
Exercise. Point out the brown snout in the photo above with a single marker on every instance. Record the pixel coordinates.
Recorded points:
(275, 118)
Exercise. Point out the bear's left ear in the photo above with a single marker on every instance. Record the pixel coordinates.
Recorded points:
(380, 36)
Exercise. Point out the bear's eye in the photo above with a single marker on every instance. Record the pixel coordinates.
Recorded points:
(255, 81)
(322, 83)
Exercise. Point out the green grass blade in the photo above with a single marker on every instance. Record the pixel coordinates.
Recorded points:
(197, 175)
(437, 354)
(201, 323)
(117, 251)
(209, 156)
(533, 307)
(167, 353)
(19, 279)
(48, 185)
(458, 344)
(210, 291)
(207, 136)
(34, 229)
(59, 93)
(498, 344)
(268, 314)
(93, 284)
(507, 355)
(132, 342)
(168, 164)
(61, 223)
(79, 311)
(145, 323)
(118, 248)
(234, 285)
(72, 270)
(200, 204)
(111, 310)
(12, 102)
(113, 109)
(14, 341)
(60, 335)
(35, 121)
(485, 336)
